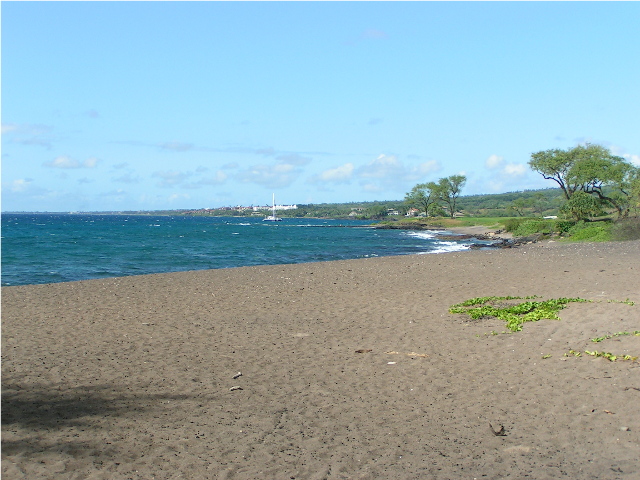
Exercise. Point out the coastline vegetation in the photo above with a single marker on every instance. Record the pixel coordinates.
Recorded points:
(596, 199)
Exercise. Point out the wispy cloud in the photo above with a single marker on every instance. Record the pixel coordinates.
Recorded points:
(66, 162)
(176, 146)
(178, 196)
(388, 172)
(128, 177)
(370, 34)
(374, 34)
(515, 170)
(21, 184)
(29, 134)
(272, 176)
(218, 178)
(494, 161)
(281, 174)
(293, 159)
(171, 178)
(340, 174)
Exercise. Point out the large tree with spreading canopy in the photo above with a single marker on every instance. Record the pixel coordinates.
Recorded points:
(592, 170)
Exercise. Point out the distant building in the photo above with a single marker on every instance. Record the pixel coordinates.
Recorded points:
(278, 207)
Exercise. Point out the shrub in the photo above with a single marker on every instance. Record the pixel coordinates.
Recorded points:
(626, 229)
(512, 224)
(590, 232)
(563, 226)
(531, 226)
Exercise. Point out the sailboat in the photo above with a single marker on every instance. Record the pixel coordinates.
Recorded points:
(272, 217)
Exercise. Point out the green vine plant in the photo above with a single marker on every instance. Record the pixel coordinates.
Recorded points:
(516, 314)
(513, 314)
(609, 356)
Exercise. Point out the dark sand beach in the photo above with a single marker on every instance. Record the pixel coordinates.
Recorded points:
(132, 378)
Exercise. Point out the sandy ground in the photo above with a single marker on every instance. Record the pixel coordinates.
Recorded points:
(132, 378)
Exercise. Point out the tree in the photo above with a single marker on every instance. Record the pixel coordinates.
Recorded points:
(448, 191)
(376, 212)
(422, 196)
(591, 169)
(582, 205)
(539, 203)
(519, 205)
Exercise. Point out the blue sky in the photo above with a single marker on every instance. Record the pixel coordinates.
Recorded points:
(167, 105)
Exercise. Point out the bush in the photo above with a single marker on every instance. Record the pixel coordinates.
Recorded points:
(512, 224)
(563, 226)
(626, 229)
(531, 226)
(590, 232)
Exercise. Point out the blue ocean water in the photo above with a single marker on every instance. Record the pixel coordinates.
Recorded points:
(50, 248)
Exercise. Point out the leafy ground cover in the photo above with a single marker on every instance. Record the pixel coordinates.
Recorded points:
(515, 314)
(602, 354)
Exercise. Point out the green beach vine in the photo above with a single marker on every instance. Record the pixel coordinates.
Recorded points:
(513, 314)
(608, 355)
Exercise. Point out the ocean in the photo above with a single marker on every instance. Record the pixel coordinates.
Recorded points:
(50, 248)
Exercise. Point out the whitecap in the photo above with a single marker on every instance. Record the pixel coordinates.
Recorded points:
(446, 247)
(425, 234)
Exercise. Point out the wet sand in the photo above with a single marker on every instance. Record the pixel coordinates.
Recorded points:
(349, 370)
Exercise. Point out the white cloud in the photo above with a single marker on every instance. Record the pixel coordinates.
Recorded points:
(635, 159)
(372, 188)
(386, 172)
(21, 184)
(127, 178)
(28, 134)
(8, 128)
(171, 178)
(66, 162)
(427, 168)
(63, 162)
(384, 166)
(275, 175)
(515, 169)
(293, 159)
(341, 174)
(178, 196)
(621, 152)
(91, 162)
(493, 162)
(217, 179)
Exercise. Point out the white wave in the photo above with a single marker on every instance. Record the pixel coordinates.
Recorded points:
(446, 247)
(426, 234)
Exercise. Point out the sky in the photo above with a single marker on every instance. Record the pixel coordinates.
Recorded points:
(111, 106)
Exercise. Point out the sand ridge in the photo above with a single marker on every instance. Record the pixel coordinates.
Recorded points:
(132, 377)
